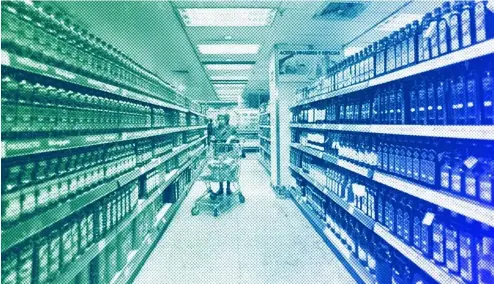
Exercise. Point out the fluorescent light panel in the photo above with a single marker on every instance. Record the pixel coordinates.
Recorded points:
(227, 17)
(229, 67)
(228, 48)
(398, 21)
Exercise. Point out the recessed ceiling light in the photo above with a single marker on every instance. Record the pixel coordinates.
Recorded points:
(228, 48)
(398, 21)
(229, 66)
(229, 78)
(227, 17)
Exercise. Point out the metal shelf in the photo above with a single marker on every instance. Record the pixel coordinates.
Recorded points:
(29, 65)
(472, 209)
(483, 132)
(83, 260)
(469, 53)
(163, 219)
(14, 148)
(334, 243)
(264, 137)
(39, 222)
(436, 272)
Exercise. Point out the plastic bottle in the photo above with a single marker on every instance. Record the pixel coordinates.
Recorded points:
(433, 33)
(452, 252)
(486, 178)
(438, 231)
(413, 94)
(459, 99)
(473, 107)
(485, 255)
(467, 24)
(442, 94)
(431, 102)
(423, 38)
(457, 172)
(422, 102)
(391, 53)
(413, 42)
(398, 48)
(487, 101)
(468, 241)
(25, 263)
(9, 267)
(380, 60)
(473, 170)
(484, 20)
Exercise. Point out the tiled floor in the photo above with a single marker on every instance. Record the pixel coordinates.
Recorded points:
(265, 240)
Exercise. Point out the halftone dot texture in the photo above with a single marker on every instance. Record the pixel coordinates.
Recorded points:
(264, 240)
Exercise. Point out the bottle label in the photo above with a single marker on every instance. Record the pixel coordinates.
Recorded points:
(485, 190)
(456, 183)
(445, 179)
(466, 28)
(470, 186)
(480, 22)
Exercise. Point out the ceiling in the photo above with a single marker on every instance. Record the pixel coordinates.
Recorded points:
(154, 35)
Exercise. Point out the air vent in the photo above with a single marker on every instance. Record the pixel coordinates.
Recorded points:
(340, 11)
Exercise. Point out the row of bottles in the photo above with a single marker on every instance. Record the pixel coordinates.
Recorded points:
(36, 184)
(459, 96)
(447, 29)
(464, 168)
(385, 264)
(29, 106)
(462, 246)
(41, 258)
(51, 38)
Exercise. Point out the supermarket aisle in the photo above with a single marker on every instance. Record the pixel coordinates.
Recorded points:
(265, 240)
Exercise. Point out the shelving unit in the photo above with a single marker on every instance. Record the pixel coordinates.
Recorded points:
(121, 145)
(349, 260)
(468, 53)
(347, 138)
(264, 141)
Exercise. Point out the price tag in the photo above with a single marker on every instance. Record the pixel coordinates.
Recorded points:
(428, 218)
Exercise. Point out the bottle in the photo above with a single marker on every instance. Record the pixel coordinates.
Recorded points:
(424, 40)
(431, 103)
(381, 57)
(407, 205)
(488, 96)
(383, 264)
(473, 107)
(459, 98)
(418, 216)
(391, 53)
(416, 163)
(443, 29)
(381, 205)
(485, 257)
(442, 95)
(408, 160)
(363, 244)
(445, 163)
(390, 212)
(452, 252)
(484, 18)
(467, 24)
(371, 61)
(426, 230)
(404, 45)
(468, 250)
(473, 169)
(400, 208)
(422, 102)
(486, 177)
(414, 101)
(412, 42)
(392, 106)
(438, 238)
(457, 172)
(454, 23)
(433, 33)
(401, 270)
(398, 48)
(25, 265)
(41, 259)
(9, 267)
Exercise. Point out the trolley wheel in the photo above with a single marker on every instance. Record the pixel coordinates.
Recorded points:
(216, 212)
(241, 198)
(194, 211)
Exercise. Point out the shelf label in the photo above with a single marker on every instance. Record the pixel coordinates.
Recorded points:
(33, 64)
(58, 143)
(101, 245)
(5, 58)
(64, 73)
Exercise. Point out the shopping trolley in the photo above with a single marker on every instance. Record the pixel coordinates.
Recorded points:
(223, 166)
